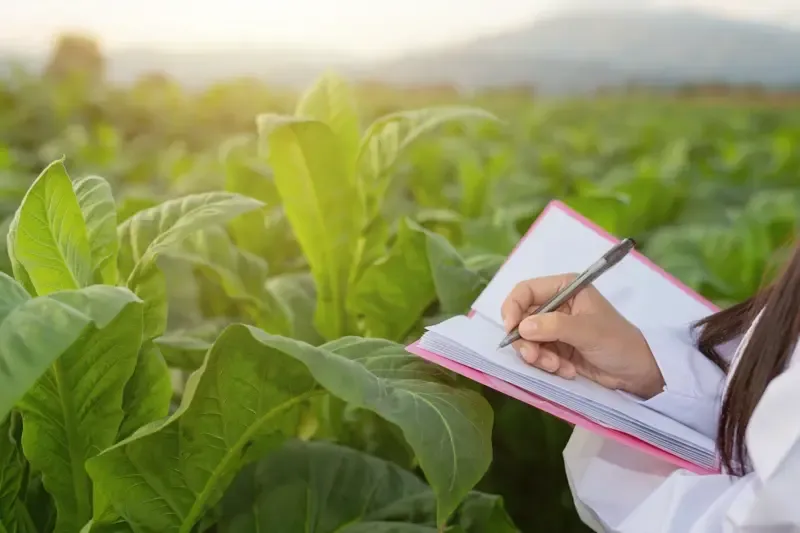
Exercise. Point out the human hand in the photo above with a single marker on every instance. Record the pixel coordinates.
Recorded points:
(587, 336)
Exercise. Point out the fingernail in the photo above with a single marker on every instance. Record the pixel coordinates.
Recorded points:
(548, 361)
(507, 324)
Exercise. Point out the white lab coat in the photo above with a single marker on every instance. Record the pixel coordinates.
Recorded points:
(621, 490)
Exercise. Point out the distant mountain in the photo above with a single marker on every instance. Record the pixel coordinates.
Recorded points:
(568, 53)
(578, 52)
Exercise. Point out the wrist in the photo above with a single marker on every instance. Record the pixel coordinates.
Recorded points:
(648, 380)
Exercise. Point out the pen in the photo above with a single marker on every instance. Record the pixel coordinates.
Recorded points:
(609, 259)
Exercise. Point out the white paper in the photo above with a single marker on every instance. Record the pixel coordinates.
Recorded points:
(561, 244)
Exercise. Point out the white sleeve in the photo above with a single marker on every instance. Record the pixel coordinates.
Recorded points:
(620, 490)
(693, 384)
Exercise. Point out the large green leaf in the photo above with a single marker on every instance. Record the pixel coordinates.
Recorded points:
(153, 231)
(96, 201)
(149, 232)
(387, 138)
(395, 291)
(74, 409)
(47, 241)
(449, 428)
(247, 396)
(331, 100)
(321, 202)
(37, 331)
(328, 488)
(165, 476)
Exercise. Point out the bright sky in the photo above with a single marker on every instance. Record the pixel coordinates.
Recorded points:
(366, 27)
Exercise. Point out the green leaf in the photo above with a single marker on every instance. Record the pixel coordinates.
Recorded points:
(100, 213)
(149, 284)
(153, 231)
(327, 488)
(74, 409)
(247, 397)
(40, 505)
(245, 174)
(165, 476)
(14, 517)
(457, 285)
(321, 204)
(297, 295)
(331, 100)
(241, 275)
(5, 260)
(448, 428)
(12, 295)
(394, 292)
(183, 352)
(37, 332)
(484, 513)
(112, 527)
(47, 240)
(147, 393)
(387, 138)
(322, 487)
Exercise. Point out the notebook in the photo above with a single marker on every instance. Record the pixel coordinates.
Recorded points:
(560, 241)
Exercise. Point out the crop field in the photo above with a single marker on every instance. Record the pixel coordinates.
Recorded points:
(205, 296)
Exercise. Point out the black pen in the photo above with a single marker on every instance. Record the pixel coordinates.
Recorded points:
(609, 259)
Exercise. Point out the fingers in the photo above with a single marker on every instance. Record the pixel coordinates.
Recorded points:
(545, 358)
(531, 293)
(577, 331)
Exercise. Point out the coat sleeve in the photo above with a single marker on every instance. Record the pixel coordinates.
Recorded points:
(617, 489)
(693, 384)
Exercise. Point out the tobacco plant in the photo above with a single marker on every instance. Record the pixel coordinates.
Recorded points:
(96, 438)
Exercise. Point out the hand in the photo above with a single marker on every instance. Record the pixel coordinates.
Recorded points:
(587, 336)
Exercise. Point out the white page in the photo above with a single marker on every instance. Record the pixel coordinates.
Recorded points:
(561, 244)
(482, 337)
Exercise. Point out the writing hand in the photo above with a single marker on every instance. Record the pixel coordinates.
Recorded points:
(587, 336)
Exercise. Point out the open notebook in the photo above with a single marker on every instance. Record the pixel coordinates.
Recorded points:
(561, 241)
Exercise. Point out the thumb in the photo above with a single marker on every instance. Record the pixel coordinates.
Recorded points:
(578, 331)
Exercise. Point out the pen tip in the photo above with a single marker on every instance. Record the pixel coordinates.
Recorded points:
(506, 341)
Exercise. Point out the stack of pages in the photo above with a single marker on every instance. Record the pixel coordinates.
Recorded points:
(562, 241)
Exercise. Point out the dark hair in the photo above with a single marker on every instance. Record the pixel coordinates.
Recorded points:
(765, 356)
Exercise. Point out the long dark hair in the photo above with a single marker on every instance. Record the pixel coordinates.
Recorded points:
(765, 356)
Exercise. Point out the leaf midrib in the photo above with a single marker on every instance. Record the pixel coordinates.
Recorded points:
(198, 507)
(47, 223)
(80, 479)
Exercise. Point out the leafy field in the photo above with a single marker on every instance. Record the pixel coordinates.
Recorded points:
(206, 296)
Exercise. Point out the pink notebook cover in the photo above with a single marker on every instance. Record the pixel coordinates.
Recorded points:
(555, 409)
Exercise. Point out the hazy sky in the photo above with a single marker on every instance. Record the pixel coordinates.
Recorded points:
(366, 27)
